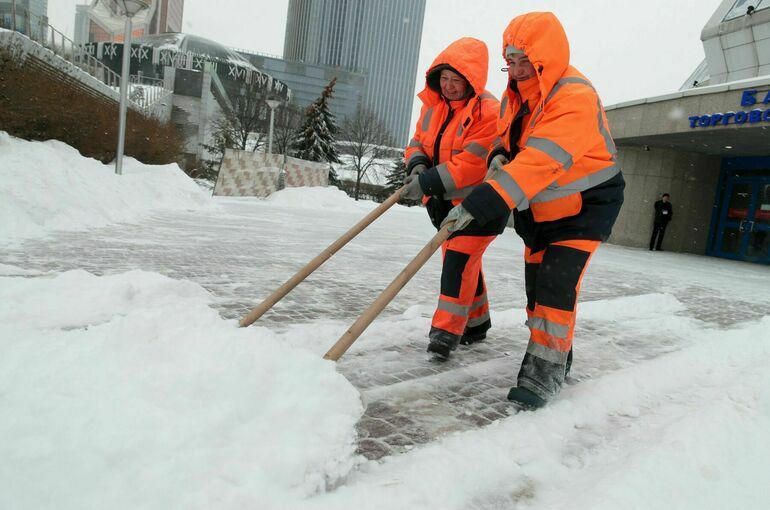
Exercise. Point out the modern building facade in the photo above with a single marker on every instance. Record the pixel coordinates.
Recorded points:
(307, 81)
(708, 145)
(29, 15)
(100, 21)
(167, 17)
(380, 39)
(206, 78)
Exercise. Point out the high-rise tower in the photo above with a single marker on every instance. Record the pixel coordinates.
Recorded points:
(380, 38)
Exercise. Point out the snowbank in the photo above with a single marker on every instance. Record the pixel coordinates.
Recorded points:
(685, 430)
(319, 198)
(128, 391)
(48, 186)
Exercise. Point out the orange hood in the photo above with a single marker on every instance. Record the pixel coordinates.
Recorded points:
(542, 38)
(467, 56)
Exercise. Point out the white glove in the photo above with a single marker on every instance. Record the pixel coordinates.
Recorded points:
(496, 165)
(417, 170)
(412, 189)
(459, 216)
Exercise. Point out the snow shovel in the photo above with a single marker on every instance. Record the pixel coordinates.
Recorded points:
(387, 295)
(314, 264)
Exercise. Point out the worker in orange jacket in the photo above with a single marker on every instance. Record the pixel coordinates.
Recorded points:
(554, 166)
(445, 160)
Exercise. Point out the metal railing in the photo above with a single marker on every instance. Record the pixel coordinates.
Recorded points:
(257, 53)
(149, 94)
(38, 30)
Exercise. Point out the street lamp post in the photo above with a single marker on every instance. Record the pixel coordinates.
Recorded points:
(130, 8)
(273, 104)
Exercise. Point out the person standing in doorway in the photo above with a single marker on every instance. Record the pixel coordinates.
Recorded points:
(663, 214)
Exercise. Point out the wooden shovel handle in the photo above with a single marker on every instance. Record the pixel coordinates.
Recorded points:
(314, 264)
(387, 295)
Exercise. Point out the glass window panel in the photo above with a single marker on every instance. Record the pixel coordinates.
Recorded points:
(740, 7)
(762, 213)
(759, 244)
(731, 241)
(740, 200)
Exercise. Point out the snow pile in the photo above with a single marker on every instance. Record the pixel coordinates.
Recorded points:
(318, 199)
(685, 430)
(128, 391)
(48, 186)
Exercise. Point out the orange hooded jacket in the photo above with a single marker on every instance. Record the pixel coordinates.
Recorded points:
(564, 147)
(467, 135)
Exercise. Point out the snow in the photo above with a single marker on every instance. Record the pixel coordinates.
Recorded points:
(376, 174)
(129, 390)
(11, 270)
(87, 193)
(174, 42)
(118, 383)
(328, 199)
(687, 430)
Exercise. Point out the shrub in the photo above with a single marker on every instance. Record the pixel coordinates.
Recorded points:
(40, 103)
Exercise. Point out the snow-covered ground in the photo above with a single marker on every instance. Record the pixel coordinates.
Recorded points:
(125, 382)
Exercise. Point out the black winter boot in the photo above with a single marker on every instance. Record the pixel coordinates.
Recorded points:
(472, 338)
(525, 399)
(475, 334)
(442, 343)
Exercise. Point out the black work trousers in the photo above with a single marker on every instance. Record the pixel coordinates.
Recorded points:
(658, 230)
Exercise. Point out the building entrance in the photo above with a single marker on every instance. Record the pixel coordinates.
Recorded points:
(744, 220)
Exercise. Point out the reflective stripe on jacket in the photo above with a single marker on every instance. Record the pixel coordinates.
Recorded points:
(565, 146)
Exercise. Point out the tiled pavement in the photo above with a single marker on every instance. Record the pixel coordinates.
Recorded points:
(245, 251)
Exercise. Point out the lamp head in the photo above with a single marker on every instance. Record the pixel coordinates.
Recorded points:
(131, 8)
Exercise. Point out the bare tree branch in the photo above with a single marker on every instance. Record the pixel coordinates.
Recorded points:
(247, 120)
(366, 139)
(287, 123)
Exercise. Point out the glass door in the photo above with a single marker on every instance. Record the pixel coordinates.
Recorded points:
(744, 229)
(758, 225)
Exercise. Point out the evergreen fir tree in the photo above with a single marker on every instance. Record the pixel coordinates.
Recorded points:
(395, 179)
(315, 139)
(334, 179)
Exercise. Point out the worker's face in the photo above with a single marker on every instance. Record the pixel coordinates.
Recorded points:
(665, 198)
(519, 67)
(453, 86)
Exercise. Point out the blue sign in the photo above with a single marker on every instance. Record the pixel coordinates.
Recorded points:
(749, 98)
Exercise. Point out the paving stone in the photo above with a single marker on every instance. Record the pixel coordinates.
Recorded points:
(418, 399)
(373, 427)
(372, 449)
(398, 440)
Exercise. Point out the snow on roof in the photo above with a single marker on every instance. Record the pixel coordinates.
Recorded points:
(758, 81)
(376, 174)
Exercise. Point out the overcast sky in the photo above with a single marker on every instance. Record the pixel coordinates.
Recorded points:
(629, 48)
